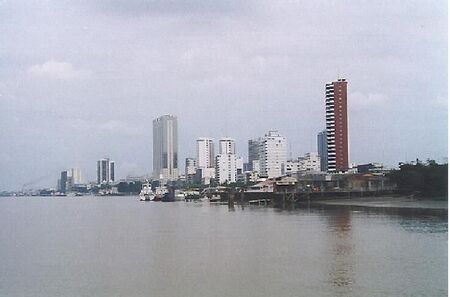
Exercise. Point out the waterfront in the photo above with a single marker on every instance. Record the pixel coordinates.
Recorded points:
(119, 246)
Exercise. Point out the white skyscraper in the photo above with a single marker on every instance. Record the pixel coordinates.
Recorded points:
(226, 161)
(105, 171)
(75, 173)
(205, 159)
(165, 148)
(191, 166)
(205, 153)
(273, 156)
(227, 146)
(226, 168)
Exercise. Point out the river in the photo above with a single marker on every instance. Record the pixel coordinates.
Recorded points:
(119, 246)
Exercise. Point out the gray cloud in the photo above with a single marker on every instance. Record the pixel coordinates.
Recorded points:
(80, 80)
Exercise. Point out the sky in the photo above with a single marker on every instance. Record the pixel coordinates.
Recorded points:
(83, 79)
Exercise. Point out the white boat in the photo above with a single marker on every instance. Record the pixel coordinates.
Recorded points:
(159, 193)
(214, 198)
(146, 193)
(179, 195)
(210, 198)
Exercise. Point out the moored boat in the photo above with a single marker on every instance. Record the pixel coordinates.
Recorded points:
(146, 193)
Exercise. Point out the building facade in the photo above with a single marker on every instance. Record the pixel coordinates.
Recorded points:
(165, 148)
(322, 149)
(310, 162)
(191, 166)
(105, 171)
(205, 153)
(337, 126)
(273, 155)
(205, 160)
(63, 182)
(254, 152)
(227, 146)
(226, 168)
(226, 161)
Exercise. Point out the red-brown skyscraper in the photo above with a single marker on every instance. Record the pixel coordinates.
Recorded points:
(337, 128)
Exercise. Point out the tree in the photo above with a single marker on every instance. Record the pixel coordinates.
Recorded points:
(429, 179)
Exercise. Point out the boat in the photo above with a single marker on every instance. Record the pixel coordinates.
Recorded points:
(160, 193)
(211, 194)
(191, 195)
(180, 195)
(214, 198)
(146, 193)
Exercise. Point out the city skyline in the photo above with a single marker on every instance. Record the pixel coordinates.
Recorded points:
(99, 72)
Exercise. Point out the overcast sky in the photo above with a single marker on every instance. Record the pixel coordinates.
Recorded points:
(81, 80)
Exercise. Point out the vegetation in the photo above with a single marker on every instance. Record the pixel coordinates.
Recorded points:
(427, 179)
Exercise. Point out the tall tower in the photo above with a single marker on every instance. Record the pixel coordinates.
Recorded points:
(254, 151)
(322, 149)
(205, 160)
(165, 147)
(337, 127)
(227, 146)
(226, 161)
(105, 171)
(273, 156)
(205, 153)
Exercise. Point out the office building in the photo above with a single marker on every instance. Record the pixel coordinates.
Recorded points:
(191, 166)
(227, 146)
(322, 149)
(226, 168)
(337, 127)
(63, 182)
(273, 155)
(105, 171)
(75, 173)
(205, 153)
(310, 162)
(165, 148)
(205, 160)
(254, 152)
(226, 161)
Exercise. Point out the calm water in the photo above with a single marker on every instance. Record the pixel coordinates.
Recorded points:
(94, 246)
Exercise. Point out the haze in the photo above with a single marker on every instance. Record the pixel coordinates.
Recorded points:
(81, 80)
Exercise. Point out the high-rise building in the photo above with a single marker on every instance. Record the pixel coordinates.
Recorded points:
(63, 182)
(322, 149)
(75, 173)
(226, 168)
(254, 151)
(226, 161)
(273, 155)
(205, 153)
(112, 171)
(205, 160)
(337, 128)
(191, 166)
(105, 171)
(165, 147)
(227, 146)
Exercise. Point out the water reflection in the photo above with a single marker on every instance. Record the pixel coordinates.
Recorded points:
(341, 274)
